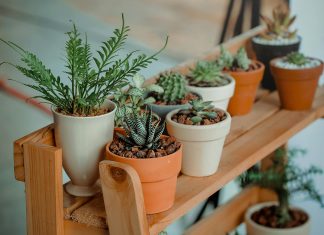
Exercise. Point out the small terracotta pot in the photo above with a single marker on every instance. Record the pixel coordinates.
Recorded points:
(158, 177)
(246, 85)
(296, 87)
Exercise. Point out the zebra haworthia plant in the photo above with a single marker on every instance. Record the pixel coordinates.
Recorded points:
(142, 131)
(134, 98)
(91, 79)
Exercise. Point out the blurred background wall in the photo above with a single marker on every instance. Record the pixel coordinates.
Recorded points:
(193, 27)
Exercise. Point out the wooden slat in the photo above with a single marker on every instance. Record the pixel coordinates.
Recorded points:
(44, 136)
(44, 191)
(72, 228)
(123, 197)
(238, 156)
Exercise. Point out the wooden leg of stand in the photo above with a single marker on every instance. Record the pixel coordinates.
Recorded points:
(44, 191)
(123, 198)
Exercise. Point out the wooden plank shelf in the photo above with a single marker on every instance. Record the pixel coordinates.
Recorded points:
(252, 138)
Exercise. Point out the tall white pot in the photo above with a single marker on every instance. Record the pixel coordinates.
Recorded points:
(202, 145)
(83, 140)
(219, 95)
(256, 229)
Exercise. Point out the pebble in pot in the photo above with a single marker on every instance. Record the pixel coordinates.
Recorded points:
(208, 80)
(202, 130)
(277, 41)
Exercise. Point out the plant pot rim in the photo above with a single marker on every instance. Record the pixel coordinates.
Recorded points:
(172, 155)
(108, 102)
(258, 206)
(274, 60)
(232, 80)
(276, 45)
(198, 127)
(176, 105)
(261, 67)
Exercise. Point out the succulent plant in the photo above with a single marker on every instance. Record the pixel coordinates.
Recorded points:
(208, 73)
(297, 58)
(227, 61)
(201, 109)
(279, 25)
(142, 131)
(174, 86)
(135, 98)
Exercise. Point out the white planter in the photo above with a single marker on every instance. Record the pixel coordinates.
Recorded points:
(256, 229)
(202, 145)
(83, 141)
(219, 95)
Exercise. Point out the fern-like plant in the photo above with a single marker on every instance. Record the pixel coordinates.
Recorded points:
(91, 79)
(142, 131)
(286, 178)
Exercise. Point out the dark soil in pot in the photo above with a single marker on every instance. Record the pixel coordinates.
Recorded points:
(267, 217)
(184, 116)
(265, 53)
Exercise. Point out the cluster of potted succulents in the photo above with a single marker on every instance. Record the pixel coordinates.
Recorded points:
(285, 178)
(296, 77)
(83, 115)
(277, 41)
(209, 81)
(247, 74)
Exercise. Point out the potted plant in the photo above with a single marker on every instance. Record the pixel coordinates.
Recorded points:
(135, 98)
(297, 78)
(202, 130)
(285, 178)
(277, 41)
(208, 80)
(83, 116)
(156, 158)
(174, 95)
(247, 74)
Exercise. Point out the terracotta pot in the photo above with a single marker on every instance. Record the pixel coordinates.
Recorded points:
(219, 95)
(158, 177)
(256, 229)
(246, 85)
(202, 145)
(265, 53)
(296, 87)
(83, 141)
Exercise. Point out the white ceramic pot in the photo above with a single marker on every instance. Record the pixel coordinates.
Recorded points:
(219, 95)
(202, 145)
(83, 141)
(256, 229)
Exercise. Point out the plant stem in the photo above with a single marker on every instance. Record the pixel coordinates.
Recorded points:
(283, 208)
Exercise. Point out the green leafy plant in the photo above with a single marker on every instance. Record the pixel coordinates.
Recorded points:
(208, 73)
(142, 131)
(228, 61)
(286, 178)
(91, 78)
(278, 27)
(201, 109)
(297, 58)
(174, 86)
(134, 98)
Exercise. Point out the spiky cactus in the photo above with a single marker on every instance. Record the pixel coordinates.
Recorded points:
(208, 73)
(278, 27)
(201, 109)
(142, 131)
(242, 59)
(174, 86)
(297, 58)
(225, 59)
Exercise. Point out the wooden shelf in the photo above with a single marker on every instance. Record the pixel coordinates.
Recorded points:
(252, 138)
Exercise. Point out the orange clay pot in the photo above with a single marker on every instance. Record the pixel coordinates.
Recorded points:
(246, 85)
(158, 177)
(296, 87)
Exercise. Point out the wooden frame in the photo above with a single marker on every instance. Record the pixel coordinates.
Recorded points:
(48, 214)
